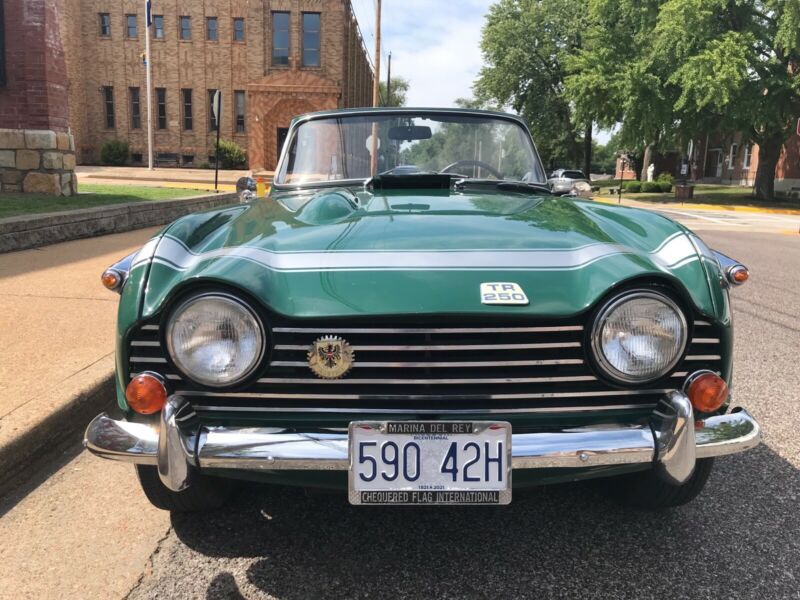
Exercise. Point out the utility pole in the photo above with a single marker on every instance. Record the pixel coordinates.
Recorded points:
(389, 82)
(148, 19)
(376, 88)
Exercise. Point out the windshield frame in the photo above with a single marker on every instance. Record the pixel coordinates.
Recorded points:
(399, 111)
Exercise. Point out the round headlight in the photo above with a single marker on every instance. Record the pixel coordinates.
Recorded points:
(639, 337)
(215, 339)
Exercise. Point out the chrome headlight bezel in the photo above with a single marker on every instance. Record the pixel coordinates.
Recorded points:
(233, 301)
(609, 370)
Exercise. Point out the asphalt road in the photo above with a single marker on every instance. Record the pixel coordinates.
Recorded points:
(739, 539)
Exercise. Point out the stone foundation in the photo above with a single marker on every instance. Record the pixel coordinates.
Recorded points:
(37, 161)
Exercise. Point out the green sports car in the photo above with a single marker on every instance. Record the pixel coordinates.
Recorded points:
(411, 316)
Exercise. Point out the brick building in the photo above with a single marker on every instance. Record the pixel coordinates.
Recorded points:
(36, 148)
(271, 59)
(731, 160)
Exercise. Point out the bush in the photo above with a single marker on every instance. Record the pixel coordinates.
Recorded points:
(632, 187)
(665, 178)
(231, 155)
(115, 153)
(651, 187)
(666, 186)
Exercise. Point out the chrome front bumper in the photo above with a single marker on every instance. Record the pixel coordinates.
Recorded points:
(671, 442)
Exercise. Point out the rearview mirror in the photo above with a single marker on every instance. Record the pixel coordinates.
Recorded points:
(410, 132)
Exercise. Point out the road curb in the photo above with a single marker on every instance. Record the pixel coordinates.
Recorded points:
(32, 231)
(43, 425)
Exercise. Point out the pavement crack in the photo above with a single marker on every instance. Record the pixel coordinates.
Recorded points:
(148, 566)
(38, 395)
(49, 297)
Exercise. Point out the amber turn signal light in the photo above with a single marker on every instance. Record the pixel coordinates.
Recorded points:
(707, 392)
(738, 275)
(146, 393)
(111, 279)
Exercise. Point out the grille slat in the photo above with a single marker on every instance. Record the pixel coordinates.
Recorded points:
(461, 368)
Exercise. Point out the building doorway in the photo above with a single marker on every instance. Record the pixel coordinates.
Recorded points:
(283, 132)
(714, 163)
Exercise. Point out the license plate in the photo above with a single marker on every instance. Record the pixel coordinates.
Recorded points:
(430, 462)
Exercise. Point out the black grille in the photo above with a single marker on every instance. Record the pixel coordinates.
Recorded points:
(427, 368)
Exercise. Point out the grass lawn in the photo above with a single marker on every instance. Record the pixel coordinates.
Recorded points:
(711, 194)
(90, 195)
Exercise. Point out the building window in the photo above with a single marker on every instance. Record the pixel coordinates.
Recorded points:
(748, 155)
(130, 26)
(105, 24)
(212, 122)
(158, 27)
(108, 101)
(240, 107)
(732, 156)
(280, 38)
(187, 160)
(136, 108)
(161, 108)
(187, 109)
(311, 24)
(136, 157)
(238, 29)
(211, 29)
(185, 28)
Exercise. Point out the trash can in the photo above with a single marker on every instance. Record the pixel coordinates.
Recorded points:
(684, 191)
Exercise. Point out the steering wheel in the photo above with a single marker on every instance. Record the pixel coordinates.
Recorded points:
(473, 163)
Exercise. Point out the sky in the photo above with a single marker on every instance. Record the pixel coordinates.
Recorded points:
(435, 45)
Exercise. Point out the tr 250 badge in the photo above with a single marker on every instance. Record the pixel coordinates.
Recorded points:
(502, 293)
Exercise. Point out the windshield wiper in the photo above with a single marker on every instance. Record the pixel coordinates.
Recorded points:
(506, 186)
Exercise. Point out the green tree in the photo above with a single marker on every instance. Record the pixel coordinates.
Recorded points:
(525, 45)
(397, 94)
(674, 69)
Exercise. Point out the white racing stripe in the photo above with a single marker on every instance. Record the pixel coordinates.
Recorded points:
(676, 250)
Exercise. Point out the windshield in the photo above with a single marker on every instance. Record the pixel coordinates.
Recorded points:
(343, 148)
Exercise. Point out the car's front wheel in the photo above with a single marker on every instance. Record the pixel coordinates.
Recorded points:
(205, 493)
(649, 491)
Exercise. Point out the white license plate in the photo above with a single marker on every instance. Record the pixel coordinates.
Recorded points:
(430, 462)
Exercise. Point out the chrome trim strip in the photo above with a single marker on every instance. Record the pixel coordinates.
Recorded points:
(140, 344)
(148, 359)
(395, 397)
(704, 341)
(453, 347)
(704, 357)
(149, 328)
(428, 411)
(702, 324)
(323, 331)
(442, 365)
(372, 381)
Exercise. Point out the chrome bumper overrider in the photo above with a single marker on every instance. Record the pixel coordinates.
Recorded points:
(672, 441)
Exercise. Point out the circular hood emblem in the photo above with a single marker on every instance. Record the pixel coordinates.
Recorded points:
(330, 357)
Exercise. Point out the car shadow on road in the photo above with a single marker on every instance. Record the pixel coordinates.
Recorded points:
(738, 538)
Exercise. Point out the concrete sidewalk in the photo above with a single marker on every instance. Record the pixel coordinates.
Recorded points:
(198, 179)
(58, 327)
(654, 204)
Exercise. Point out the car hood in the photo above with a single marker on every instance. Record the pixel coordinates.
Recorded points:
(337, 252)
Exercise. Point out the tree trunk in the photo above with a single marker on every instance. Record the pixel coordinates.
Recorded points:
(587, 151)
(769, 151)
(648, 156)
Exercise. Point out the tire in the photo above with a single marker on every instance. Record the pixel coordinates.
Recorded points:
(647, 490)
(204, 494)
